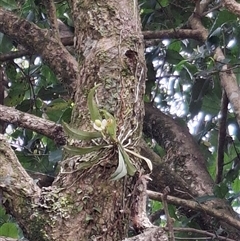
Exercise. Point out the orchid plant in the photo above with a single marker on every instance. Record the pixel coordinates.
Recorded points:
(106, 128)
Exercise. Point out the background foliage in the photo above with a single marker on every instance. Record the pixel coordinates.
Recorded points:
(182, 81)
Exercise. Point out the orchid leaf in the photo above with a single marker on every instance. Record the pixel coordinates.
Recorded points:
(121, 170)
(92, 106)
(79, 134)
(131, 169)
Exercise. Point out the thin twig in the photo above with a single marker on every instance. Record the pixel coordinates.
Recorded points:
(221, 137)
(156, 215)
(208, 209)
(51, 13)
(193, 230)
(168, 217)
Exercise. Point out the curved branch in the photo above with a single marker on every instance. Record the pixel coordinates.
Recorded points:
(202, 232)
(182, 153)
(42, 126)
(232, 6)
(40, 40)
(162, 174)
(227, 77)
(172, 33)
(193, 205)
(66, 37)
(67, 40)
(184, 158)
(14, 55)
(20, 192)
(221, 137)
(14, 181)
(150, 234)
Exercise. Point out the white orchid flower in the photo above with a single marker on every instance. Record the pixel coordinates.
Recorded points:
(100, 125)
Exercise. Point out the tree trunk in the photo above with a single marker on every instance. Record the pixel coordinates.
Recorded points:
(84, 204)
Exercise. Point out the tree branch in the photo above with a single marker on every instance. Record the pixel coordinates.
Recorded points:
(232, 6)
(14, 55)
(21, 194)
(221, 137)
(35, 39)
(227, 77)
(150, 234)
(172, 33)
(154, 36)
(193, 205)
(139, 213)
(163, 173)
(14, 181)
(184, 158)
(203, 232)
(182, 153)
(52, 16)
(168, 217)
(40, 125)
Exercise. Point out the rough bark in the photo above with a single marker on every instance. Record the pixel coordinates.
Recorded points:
(41, 41)
(109, 51)
(84, 204)
(182, 154)
(40, 125)
(188, 176)
(18, 189)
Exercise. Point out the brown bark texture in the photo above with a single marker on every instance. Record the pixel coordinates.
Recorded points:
(83, 203)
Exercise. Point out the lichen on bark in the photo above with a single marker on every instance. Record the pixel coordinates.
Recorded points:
(110, 50)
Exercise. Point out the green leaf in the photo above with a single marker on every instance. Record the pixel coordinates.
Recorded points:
(55, 109)
(51, 92)
(5, 43)
(212, 42)
(220, 190)
(159, 150)
(205, 198)
(49, 75)
(164, 3)
(131, 169)
(55, 156)
(9, 230)
(3, 216)
(121, 170)
(223, 17)
(211, 104)
(173, 57)
(80, 135)
(16, 93)
(8, 4)
(175, 45)
(236, 185)
(180, 65)
(92, 106)
(83, 150)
